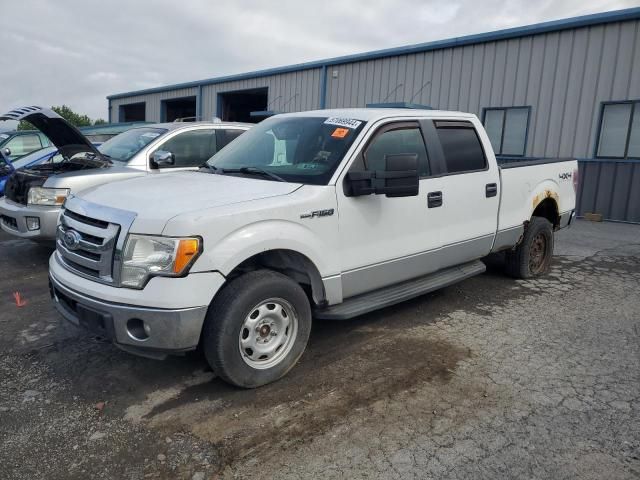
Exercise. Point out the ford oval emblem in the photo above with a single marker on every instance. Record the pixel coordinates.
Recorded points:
(71, 239)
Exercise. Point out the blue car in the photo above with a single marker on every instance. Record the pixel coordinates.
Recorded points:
(15, 144)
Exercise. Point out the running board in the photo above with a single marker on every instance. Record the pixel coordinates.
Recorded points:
(385, 297)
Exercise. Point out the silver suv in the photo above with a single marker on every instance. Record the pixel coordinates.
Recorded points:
(34, 195)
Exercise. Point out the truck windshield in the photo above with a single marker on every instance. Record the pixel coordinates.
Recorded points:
(295, 149)
(3, 137)
(123, 147)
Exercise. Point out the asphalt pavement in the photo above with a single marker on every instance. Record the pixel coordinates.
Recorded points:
(491, 378)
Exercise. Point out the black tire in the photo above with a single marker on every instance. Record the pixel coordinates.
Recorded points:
(532, 257)
(227, 317)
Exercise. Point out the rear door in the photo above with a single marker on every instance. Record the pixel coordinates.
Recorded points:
(466, 193)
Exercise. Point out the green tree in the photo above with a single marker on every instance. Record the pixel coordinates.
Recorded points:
(69, 115)
(72, 117)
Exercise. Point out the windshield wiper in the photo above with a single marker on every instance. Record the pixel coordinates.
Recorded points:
(211, 168)
(253, 171)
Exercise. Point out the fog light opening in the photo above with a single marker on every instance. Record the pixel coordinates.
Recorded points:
(33, 223)
(137, 329)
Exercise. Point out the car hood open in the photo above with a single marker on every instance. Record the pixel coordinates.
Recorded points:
(62, 134)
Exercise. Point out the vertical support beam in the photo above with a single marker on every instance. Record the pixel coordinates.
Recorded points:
(199, 103)
(109, 111)
(323, 87)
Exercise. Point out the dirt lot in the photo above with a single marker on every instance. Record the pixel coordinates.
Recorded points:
(491, 378)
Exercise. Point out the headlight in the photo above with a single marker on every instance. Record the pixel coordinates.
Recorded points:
(146, 256)
(47, 196)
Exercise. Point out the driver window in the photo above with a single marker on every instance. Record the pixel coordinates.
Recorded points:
(397, 141)
(191, 149)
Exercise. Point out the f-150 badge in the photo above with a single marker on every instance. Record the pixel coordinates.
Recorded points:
(318, 213)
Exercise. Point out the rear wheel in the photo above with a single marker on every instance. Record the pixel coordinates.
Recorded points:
(532, 257)
(257, 328)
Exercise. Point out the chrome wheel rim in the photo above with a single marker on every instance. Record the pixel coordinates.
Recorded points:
(538, 253)
(268, 333)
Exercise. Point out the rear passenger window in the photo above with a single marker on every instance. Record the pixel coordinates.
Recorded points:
(226, 136)
(461, 146)
(397, 141)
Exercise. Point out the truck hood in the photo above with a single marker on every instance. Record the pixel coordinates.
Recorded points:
(82, 179)
(157, 198)
(62, 134)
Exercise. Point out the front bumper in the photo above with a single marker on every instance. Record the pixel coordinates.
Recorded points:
(142, 330)
(13, 220)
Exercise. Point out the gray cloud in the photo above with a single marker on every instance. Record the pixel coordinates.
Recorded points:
(78, 51)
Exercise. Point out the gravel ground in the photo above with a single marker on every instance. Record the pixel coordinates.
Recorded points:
(490, 378)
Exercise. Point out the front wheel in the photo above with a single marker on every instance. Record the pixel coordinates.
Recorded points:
(257, 328)
(532, 257)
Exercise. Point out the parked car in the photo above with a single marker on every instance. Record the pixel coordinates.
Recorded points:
(18, 143)
(330, 214)
(37, 157)
(34, 195)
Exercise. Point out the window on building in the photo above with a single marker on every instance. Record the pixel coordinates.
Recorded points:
(619, 130)
(461, 146)
(507, 129)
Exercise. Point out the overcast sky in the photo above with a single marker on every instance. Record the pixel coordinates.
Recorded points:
(76, 52)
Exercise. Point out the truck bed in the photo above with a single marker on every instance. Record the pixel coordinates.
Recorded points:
(525, 184)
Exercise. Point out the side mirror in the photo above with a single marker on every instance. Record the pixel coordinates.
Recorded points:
(162, 158)
(7, 152)
(398, 179)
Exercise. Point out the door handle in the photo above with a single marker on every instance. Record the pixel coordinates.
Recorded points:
(434, 199)
(491, 190)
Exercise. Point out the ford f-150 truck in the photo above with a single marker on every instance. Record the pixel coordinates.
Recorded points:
(327, 214)
(34, 194)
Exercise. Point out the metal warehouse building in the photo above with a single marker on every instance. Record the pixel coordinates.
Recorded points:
(566, 88)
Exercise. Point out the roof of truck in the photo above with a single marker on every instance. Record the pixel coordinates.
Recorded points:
(369, 114)
(177, 125)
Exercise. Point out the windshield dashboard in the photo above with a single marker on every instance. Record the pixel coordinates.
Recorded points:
(297, 149)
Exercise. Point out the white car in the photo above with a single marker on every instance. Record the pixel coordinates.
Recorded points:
(326, 214)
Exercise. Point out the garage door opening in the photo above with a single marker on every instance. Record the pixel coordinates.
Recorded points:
(133, 112)
(237, 106)
(182, 109)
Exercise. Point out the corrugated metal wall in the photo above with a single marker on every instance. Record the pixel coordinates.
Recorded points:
(152, 101)
(288, 92)
(564, 76)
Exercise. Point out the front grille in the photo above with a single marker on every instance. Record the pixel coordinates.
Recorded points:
(87, 245)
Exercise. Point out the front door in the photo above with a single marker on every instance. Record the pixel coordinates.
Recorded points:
(381, 237)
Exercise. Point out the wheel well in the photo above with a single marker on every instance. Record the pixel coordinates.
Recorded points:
(548, 208)
(293, 264)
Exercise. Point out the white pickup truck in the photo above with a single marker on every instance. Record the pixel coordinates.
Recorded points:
(325, 214)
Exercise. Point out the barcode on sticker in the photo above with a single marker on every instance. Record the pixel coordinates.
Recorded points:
(343, 122)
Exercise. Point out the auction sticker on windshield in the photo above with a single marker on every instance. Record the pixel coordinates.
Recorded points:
(343, 122)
